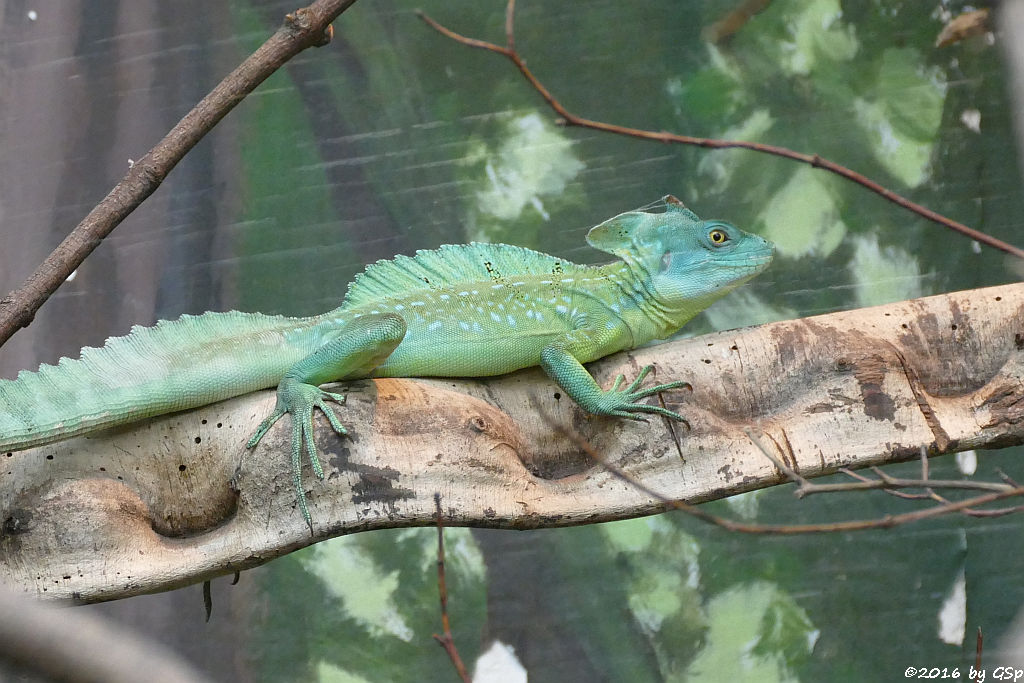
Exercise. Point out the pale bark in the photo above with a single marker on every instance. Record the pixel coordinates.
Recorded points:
(177, 500)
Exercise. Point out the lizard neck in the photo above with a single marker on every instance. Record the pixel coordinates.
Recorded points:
(632, 296)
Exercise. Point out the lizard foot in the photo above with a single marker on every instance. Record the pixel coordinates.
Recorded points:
(299, 399)
(626, 402)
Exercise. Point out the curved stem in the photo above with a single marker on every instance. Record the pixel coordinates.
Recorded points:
(570, 119)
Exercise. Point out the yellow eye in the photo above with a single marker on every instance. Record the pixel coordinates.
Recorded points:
(718, 237)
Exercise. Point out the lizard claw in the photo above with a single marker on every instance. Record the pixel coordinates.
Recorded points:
(299, 399)
(626, 402)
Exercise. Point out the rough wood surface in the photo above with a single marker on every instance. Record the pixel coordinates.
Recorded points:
(177, 500)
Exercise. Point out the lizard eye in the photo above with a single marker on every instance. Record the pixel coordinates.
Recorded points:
(718, 237)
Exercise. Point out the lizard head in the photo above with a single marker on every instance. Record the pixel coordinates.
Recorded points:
(683, 259)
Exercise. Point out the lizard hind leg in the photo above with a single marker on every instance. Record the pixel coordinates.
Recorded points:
(354, 349)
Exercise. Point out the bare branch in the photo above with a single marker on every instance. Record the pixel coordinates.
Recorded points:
(570, 119)
(446, 640)
(304, 28)
(58, 644)
(178, 499)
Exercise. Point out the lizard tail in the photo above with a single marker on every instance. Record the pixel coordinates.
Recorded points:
(171, 366)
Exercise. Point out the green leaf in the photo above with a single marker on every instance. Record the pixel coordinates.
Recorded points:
(756, 633)
(786, 632)
(802, 218)
(883, 274)
(903, 115)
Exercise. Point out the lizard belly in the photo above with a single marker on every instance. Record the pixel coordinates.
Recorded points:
(449, 350)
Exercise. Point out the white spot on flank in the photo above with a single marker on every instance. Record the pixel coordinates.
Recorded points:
(497, 286)
(511, 321)
(561, 309)
(463, 293)
(464, 326)
(518, 284)
(477, 327)
(400, 307)
(495, 317)
(417, 303)
(434, 326)
(445, 297)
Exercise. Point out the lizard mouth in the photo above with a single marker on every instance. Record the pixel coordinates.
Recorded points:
(753, 262)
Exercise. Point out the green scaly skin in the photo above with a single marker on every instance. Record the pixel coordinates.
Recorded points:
(469, 310)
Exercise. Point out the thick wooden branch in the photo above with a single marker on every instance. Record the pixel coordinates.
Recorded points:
(177, 500)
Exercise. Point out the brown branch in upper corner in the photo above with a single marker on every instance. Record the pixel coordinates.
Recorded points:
(570, 119)
(446, 641)
(303, 28)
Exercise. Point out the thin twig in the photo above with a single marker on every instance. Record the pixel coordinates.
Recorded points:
(446, 641)
(1005, 477)
(978, 649)
(570, 119)
(790, 473)
(893, 492)
(891, 485)
(304, 28)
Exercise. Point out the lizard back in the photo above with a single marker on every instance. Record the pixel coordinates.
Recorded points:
(475, 309)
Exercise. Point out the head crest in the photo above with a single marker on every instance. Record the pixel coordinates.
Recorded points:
(619, 235)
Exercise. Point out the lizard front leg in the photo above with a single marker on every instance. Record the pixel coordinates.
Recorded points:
(354, 349)
(559, 360)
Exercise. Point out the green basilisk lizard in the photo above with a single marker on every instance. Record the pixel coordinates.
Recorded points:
(469, 310)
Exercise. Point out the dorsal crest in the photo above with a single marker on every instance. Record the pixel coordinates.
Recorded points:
(448, 266)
